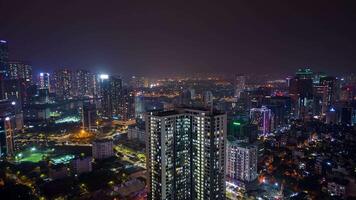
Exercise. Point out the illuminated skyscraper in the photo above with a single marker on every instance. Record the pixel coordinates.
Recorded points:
(301, 92)
(240, 85)
(111, 95)
(262, 118)
(4, 59)
(186, 154)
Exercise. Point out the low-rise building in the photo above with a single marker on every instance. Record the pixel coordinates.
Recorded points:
(81, 165)
(337, 187)
(103, 148)
(58, 171)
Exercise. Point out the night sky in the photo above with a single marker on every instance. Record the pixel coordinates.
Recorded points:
(167, 37)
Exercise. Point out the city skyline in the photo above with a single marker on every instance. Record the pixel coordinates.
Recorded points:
(177, 100)
(180, 38)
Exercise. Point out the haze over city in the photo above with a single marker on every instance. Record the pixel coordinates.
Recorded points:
(168, 37)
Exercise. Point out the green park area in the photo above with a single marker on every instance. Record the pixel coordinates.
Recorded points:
(35, 155)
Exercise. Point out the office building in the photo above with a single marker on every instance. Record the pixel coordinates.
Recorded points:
(111, 95)
(102, 148)
(262, 118)
(186, 154)
(281, 108)
(241, 161)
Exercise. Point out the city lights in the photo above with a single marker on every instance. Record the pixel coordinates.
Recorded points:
(227, 100)
(104, 76)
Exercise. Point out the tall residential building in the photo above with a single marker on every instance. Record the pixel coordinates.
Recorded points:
(83, 83)
(111, 95)
(262, 118)
(63, 83)
(240, 85)
(20, 70)
(186, 154)
(127, 108)
(4, 59)
(241, 163)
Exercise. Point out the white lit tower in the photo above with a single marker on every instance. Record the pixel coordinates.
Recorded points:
(186, 154)
(241, 161)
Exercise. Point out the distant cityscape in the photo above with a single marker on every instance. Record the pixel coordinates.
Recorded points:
(76, 134)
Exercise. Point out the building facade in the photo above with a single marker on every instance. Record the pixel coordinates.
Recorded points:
(111, 95)
(20, 70)
(262, 118)
(4, 59)
(102, 148)
(241, 161)
(186, 154)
